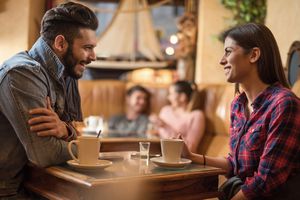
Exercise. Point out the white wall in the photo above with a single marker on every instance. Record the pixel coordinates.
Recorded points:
(283, 18)
(211, 22)
(14, 15)
(20, 24)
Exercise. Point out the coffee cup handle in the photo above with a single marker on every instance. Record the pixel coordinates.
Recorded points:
(70, 149)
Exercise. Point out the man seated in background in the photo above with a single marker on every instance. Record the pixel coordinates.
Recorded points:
(35, 117)
(135, 120)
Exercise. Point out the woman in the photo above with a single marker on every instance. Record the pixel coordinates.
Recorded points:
(177, 118)
(264, 132)
(135, 120)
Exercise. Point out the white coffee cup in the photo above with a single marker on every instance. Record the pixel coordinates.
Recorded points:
(171, 149)
(94, 123)
(88, 149)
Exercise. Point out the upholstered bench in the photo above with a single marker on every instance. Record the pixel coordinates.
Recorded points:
(107, 98)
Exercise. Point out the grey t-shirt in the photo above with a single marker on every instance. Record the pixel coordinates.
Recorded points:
(121, 125)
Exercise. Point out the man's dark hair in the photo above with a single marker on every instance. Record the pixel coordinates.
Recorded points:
(139, 88)
(66, 19)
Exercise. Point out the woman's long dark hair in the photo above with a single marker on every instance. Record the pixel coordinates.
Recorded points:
(185, 87)
(194, 97)
(269, 65)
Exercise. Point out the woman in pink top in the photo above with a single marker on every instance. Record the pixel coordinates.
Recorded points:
(177, 119)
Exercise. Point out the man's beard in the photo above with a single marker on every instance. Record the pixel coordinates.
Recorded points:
(70, 63)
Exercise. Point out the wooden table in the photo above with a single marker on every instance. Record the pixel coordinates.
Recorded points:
(128, 144)
(128, 178)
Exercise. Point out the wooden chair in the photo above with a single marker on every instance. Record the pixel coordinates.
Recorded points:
(296, 88)
(293, 63)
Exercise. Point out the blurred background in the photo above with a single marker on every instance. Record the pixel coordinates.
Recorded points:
(166, 40)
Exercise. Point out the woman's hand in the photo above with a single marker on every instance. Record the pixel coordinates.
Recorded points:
(185, 150)
(154, 119)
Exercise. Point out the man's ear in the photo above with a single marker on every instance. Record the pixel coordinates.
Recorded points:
(254, 55)
(60, 44)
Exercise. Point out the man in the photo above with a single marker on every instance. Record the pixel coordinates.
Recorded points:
(35, 118)
(135, 120)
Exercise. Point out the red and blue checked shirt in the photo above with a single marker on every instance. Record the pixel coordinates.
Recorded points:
(265, 147)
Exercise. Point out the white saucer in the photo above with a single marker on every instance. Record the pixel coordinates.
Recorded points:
(159, 161)
(116, 155)
(101, 164)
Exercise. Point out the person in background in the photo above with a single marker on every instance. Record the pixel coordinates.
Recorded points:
(39, 95)
(178, 119)
(264, 158)
(135, 120)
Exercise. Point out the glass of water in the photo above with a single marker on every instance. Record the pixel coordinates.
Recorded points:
(144, 150)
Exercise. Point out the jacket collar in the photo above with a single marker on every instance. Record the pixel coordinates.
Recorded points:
(43, 53)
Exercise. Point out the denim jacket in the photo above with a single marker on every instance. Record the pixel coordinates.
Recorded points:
(26, 80)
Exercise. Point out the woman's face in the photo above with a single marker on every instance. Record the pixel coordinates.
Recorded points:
(176, 99)
(236, 62)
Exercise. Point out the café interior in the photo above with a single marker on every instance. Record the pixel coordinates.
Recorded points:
(150, 43)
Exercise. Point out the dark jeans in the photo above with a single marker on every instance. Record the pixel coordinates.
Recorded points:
(288, 191)
(23, 195)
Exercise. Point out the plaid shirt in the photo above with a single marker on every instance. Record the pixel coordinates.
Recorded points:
(265, 147)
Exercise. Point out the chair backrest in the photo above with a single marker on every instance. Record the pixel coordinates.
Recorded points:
(159, 93)
(293, 63)
(218, 98)
(107, 98)
(102, 97)
(296, 88)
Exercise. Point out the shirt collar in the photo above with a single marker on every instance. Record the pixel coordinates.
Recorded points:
(265, 94)
(43, 53)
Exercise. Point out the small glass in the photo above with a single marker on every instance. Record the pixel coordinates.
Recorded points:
(144, 150)
(144, 166)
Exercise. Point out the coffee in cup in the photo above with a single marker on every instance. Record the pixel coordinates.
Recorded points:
(171, 149)
(87, 150)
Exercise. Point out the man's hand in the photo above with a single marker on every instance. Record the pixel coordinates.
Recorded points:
(47, 123)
